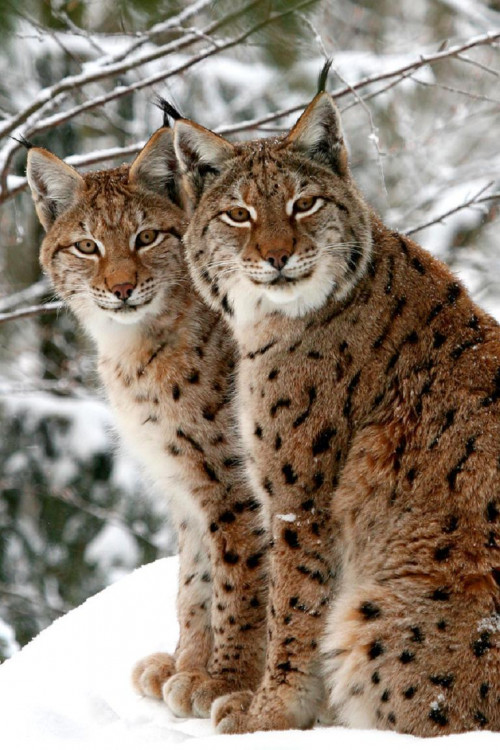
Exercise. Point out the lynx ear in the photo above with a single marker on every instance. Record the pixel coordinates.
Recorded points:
(200, 152)
(155, 167)
(318, 133)
(53, 184)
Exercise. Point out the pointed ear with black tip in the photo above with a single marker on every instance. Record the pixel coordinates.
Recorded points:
(54, 185)
(155, 167)
(318, 133)
(200, 153)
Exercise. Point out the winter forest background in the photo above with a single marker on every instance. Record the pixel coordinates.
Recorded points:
(417, 82)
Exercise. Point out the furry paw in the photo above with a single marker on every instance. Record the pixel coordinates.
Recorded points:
(193, 693)
(244, 712)
(151, 673)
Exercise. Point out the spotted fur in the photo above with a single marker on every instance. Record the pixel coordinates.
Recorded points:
(368, 395)
(166, 362)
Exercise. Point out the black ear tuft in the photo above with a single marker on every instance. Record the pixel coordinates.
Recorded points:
(23, 141)
(168, 110)
(322, 78)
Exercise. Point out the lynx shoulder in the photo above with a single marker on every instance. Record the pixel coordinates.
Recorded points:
(368, 397)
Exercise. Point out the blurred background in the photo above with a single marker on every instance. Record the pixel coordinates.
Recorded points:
(417, 82)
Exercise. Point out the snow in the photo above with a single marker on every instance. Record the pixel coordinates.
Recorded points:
(70, 687)
(289, 517)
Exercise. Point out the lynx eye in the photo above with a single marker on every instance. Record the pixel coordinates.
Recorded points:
(88, 247)
(302, 205)
(239, 214)
(146, 237)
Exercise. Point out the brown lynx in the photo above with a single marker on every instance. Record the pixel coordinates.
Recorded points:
(368, 396)
(113, 251)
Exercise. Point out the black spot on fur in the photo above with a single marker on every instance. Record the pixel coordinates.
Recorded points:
(369, 610)
(441, 625)
(291, 538)
(375, 678)
(289, 474)
(451, 525)
(442, 553)
(417, 265)
(321, 442)
(417, 635)
(254, 560)
(281, 403)
(176, 392)
(302, 417)
(210, 472)
(443, 680)
(458, 468)
(231, 558)
(258, 431)
(318, 480)
(492, 511)
(439, 716)
(439, 340)
(273, 374)
(434, 312)
(376, 649)
(440, 595)
(193, 377)
(484, 690)
(409, 692)
(391, 718)
(480, 718)
(406, 657)
(227, 517)
(483, 644)
(454, 292)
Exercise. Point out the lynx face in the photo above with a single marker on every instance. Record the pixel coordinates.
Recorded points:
(279, 225)
(113, 243)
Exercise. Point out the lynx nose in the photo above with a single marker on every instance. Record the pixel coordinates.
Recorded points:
(277, 258)
(122, 291)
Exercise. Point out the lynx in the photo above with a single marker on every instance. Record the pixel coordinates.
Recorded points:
(368, 396)
(113, 252)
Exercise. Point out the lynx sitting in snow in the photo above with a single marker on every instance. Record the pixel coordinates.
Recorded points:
(368, 395)
(113, 251)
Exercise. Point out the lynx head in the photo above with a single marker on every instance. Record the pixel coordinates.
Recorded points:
(113, 238)
(279, 225)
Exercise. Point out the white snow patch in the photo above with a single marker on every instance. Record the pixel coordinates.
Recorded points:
(490, 623)
(288, 517)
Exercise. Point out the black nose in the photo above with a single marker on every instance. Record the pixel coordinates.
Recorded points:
(277, 259)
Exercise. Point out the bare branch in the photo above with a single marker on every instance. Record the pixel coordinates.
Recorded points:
(31, 293)
(30, 312)
(474, 201)
(420, 62)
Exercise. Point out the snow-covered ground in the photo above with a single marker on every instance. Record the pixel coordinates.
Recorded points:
(70, 687)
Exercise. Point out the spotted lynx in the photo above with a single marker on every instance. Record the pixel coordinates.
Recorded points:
(113, 252)
(368, 394)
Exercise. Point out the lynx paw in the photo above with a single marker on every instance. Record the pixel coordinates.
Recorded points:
(193, 693)
(243, 712)
(151, 673)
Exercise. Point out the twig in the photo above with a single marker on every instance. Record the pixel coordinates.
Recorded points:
(35, 291)
(29, 312)
(474, 201)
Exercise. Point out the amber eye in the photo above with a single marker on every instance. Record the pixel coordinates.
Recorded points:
(146, 237)
(304, 204)
(239, 214)
(86, 246)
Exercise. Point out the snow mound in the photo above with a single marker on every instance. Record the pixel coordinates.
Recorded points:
(70, 687)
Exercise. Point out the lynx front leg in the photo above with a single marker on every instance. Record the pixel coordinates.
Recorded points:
(291, 692)
(238, 549)
(151, 674)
